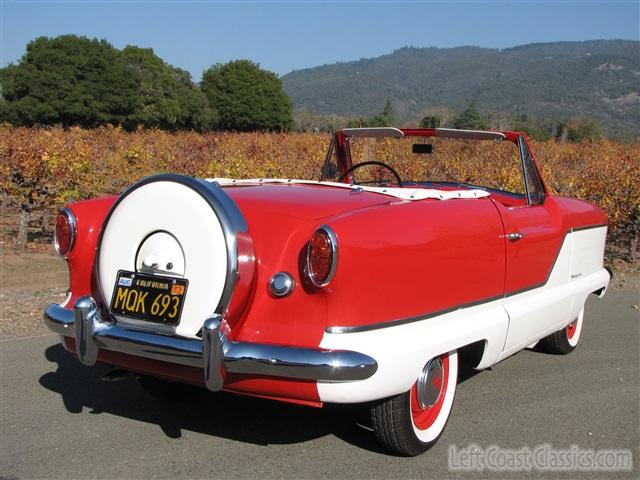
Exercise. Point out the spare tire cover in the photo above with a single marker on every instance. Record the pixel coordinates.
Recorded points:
(171, 220)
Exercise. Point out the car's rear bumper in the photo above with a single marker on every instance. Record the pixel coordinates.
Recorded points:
(214, 353)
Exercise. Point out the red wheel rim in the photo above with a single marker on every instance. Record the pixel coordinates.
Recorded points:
(571, 329)
(423, 418)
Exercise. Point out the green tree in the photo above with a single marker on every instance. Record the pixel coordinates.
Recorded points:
(69, 80)
(247, 97)
(386, 118)
(536, 128)
(430, 121)
(358, 122)
(197, 113)
(470, 119)
(170, 100)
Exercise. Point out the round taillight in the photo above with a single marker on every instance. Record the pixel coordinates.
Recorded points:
(322, 257)
(65, 233)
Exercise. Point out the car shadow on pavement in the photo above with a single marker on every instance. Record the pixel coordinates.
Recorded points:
(225, 415)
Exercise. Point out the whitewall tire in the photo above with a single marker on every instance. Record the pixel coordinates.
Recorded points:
(410, 423)
(564, 341)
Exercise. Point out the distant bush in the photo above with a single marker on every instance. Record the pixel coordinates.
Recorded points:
(247, 98)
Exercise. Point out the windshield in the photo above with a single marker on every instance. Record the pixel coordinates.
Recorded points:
(433, 162)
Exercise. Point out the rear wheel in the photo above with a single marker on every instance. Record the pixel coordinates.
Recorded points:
(410, 423)
(564, 341)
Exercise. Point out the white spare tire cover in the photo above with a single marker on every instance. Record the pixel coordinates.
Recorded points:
(177, 221)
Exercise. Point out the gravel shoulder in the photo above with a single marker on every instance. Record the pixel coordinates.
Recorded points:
(28, 283)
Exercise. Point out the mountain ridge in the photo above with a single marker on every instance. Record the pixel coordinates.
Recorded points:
(552, 80)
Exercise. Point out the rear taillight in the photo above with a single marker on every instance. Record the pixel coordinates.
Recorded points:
(322, 257)
(65, 233)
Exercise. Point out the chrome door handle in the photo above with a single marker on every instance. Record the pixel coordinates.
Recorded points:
(514, 237)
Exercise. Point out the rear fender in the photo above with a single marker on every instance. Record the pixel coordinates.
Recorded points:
(90, 215)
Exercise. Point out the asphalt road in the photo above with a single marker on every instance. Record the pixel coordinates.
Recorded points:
(58, 420)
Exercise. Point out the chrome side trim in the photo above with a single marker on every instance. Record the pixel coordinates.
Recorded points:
(215, 353)
(404, 321)
(587, 227)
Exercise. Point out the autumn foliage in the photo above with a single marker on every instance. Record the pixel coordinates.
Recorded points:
(42, 169)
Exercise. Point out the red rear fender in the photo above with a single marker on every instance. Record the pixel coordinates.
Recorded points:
(413, 258)
(90, 215)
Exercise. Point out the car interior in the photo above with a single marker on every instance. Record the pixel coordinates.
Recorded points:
(452, 160)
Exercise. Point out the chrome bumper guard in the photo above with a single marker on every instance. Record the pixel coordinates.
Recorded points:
(215, 352)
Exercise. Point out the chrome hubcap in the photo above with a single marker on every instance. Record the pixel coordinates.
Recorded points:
(430, 383)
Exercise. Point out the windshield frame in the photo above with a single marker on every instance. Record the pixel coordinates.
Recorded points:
(529, 169)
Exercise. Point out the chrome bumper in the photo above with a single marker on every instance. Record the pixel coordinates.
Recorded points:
(215, 353)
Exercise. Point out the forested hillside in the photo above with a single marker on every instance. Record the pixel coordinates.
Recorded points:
(598, 79)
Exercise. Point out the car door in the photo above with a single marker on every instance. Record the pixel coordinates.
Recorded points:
(534, 236)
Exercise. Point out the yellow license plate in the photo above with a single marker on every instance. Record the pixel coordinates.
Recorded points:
(149, 297)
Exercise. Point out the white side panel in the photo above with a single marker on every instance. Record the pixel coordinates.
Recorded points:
(577, 273)
(588, 251)
(537, 310)
(402, 351)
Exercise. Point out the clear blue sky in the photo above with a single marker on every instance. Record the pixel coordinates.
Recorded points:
(289, 35)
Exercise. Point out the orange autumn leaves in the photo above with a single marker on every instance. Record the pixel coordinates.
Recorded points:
(43, 168)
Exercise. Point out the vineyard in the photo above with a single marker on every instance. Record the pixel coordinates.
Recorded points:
(42, 169)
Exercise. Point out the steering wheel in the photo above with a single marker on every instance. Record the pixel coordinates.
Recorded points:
(371, 162)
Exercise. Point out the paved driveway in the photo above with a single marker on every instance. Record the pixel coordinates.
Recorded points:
(58, 420)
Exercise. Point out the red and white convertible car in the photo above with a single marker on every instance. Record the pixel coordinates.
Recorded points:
(359, 287)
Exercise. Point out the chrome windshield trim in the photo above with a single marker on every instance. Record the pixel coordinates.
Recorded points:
(470, 134)
(373, 132)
